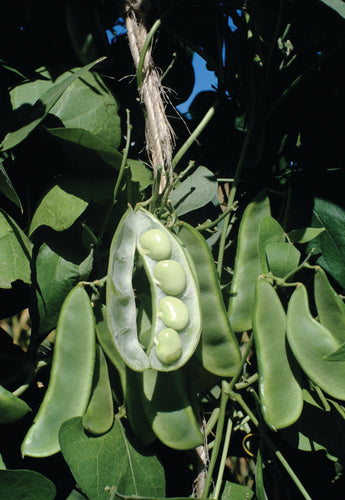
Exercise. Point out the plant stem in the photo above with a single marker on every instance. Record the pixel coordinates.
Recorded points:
(146, 45)
(232, 196)
(238, 398)
(226, 445)
(218, 439)
(118, 180)
(196, 132)
(210, 224)
(241, 365)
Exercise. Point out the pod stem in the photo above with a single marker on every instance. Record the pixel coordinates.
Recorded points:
(218, 438)
(232, 196)
(118, 180)
(226, 445)
(195, 134)
(238, 398)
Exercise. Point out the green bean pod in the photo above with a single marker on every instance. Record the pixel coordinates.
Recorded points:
(134, 405)
(71, 376)
(247, 265)
(105, 339)
(99, 416)
(281, 395)
(310, 342)
(179, 309)
(219, 350)
(330, 307)
(169, 410)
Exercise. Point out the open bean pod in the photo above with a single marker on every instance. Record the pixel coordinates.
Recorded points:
(175, 318)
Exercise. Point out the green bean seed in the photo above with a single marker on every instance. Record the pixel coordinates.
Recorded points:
(174, 313)
(170, 276)
(156, 244)
(169, 346)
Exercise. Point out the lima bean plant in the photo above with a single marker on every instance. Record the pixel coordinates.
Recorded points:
(186, 331)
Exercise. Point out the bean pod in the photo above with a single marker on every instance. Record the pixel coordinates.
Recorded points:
(310, 342)
(219, 350)
(99, 416)
(247, 265)
(174, 294)
(71, 376)
(169, 411)
(281, 396)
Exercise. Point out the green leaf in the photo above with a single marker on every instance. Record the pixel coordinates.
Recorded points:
(2, 464)
(110, 460)
(87, 105)
(42, 107)
(304, 235)
(26, 484)
(58, 210)
(282, 258)
(7, 188)
(270, 231)
(140, 173)
(337, 5)
(88, 140)
(234, 491)
(194, 192)
(11, 407)
(315, 429)
(15, 253)
(56, 275)
(331, 242)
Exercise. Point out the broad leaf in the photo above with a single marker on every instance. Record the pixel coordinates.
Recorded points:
(109, 460)
(331, 242)
(55, 277)
(337, 5)
(194, 192)
(86, 105)
(58, 210)
(234, 491)
(41, 108)
(11, 407)
(282, 258)
(26, 484)
(88, 140)
(15, 253)
(7, 188)
(270, 231)
(140, 173)
(317, 429)
(304, 235)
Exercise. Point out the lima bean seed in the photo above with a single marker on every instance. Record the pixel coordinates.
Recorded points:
(174, 313)
(170, 276)
(169, 346)
(156, 244)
